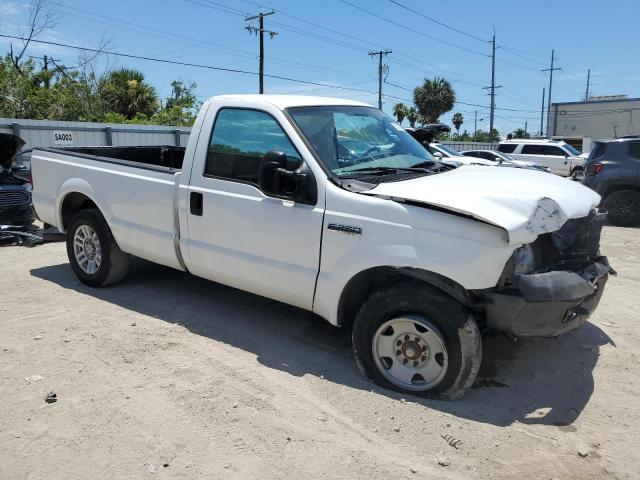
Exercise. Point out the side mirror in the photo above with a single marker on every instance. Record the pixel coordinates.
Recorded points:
(276, 180)
(437, 155)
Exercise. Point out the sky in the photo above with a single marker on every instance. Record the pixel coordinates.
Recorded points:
(328, 41)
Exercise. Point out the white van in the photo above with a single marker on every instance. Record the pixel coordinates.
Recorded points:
(560, 157)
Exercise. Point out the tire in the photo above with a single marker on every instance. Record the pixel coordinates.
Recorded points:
(577, 174)
(97, 261)
(426, 317)
(623, 207)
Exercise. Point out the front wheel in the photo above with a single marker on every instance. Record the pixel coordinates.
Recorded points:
(93, 253)
(577, 174)
(414, 338)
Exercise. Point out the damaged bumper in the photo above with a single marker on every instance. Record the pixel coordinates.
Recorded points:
(562, 296)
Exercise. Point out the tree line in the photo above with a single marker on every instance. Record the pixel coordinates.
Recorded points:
(52, 91)
(432, 99)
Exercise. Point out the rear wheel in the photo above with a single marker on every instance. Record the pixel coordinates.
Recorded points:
(623, 207)
(414, 338)
(93, 253)
(577, 174)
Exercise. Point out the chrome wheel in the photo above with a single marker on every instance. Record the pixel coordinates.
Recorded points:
(86, 248)
(410, 352)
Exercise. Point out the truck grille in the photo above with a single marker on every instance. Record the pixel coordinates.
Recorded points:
(14, 198)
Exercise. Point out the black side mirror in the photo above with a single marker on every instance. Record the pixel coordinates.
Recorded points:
(276, 180)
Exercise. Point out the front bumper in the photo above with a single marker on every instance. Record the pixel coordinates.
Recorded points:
(548, 304)
(564, 289)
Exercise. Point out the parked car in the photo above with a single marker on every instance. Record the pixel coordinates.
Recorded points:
(443, 152)
(15, 191)
(613, 170)
(561, 158)
(504, 159)
(412, 256)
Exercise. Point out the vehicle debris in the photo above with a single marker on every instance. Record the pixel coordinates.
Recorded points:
(52, 397)
(452, 441)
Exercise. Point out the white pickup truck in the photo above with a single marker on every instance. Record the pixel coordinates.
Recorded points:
(328, 205)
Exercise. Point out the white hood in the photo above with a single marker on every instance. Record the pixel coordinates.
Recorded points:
(526, 203)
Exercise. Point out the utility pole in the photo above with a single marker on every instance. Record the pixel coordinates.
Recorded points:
(525, 128)
(260, 31)
(45, 61)
(475, 124)
(542, 114)
(550, 70)
(493, 87)
(380, 54)
(586, 96)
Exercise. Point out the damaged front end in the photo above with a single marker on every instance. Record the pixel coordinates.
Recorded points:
(552, 285)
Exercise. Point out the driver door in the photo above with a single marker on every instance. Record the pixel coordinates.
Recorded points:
(238, 235)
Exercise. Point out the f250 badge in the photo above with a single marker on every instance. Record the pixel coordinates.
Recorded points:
(348, 229)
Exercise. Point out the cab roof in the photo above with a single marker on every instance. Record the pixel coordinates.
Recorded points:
(286, 101)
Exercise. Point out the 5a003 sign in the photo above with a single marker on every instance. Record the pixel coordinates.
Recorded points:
(62, 137)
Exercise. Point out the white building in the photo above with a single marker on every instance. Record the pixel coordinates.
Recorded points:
(597, 118)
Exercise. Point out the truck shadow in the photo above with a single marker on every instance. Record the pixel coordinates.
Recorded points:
(541, 381)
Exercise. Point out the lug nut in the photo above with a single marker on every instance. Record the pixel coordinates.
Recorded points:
(415, 363)
(424, 357)
(424, 348)
(418, 339)
(406, 337)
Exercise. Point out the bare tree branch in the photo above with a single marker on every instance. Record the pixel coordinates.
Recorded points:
(41, 18)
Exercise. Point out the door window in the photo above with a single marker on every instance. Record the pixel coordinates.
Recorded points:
(240, 139)
(557, 151)
(533, 150)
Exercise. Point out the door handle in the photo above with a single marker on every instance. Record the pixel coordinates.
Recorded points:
(195, 203)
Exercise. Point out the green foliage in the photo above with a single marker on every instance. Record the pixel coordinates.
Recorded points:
(434, 98)
(413, 116)
(457, 120)
(400, 111)
(121, 96)
(519, 133)
(124, 91)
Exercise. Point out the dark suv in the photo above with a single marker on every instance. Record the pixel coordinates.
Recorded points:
(613, 170)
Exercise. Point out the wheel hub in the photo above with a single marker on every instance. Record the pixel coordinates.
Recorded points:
(90, 249)
(412, 350)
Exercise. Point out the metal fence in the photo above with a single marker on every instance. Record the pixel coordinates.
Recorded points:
(46, 133)
(464, 146)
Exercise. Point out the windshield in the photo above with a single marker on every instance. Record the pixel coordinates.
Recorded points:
(571, 150)
(448, 150)
(353, 141)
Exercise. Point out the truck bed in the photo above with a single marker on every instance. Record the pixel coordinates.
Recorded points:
(135, 189)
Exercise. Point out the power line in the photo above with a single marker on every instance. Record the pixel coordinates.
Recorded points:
(438, 22)
(398, 24)
(185, 64)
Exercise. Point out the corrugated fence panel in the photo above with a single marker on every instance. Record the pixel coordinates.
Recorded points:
(464, 146)
(46, 133)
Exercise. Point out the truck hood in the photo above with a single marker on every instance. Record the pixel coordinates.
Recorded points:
(525, 203)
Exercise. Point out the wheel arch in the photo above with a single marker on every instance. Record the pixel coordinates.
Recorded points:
(76, 195)
(360, 286)
(620, 186)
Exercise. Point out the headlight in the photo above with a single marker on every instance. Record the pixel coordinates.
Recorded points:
(524, 260)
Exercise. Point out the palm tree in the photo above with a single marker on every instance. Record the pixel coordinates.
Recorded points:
(519, 133)
(400, 112)
(124, 91)
(412, 116)
(457, 120)
(434, 98)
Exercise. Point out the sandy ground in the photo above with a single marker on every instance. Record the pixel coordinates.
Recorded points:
(170, 376)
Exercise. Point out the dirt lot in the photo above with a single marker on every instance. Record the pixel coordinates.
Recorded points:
(170, 376)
